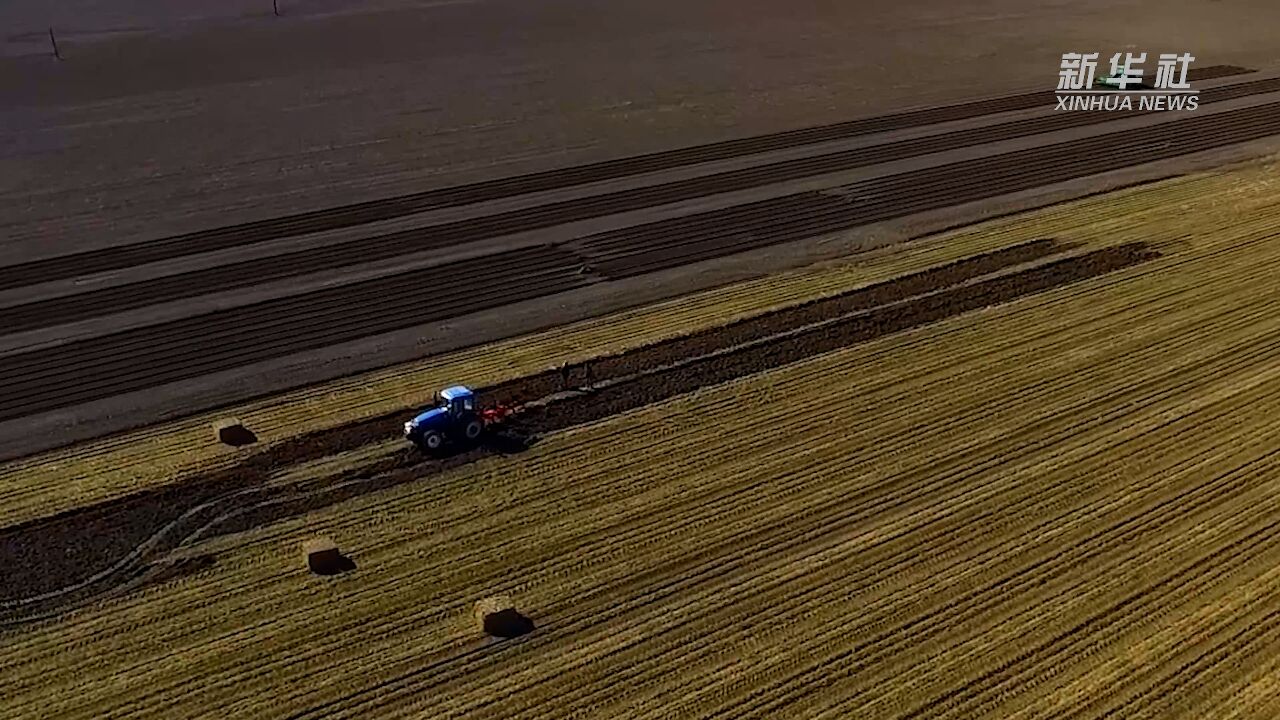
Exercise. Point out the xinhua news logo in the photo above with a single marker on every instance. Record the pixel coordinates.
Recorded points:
(1079, 89)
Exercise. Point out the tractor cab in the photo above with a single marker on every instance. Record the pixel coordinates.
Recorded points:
(457, 400)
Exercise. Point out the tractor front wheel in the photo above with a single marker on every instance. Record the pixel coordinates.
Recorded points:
(431, 442)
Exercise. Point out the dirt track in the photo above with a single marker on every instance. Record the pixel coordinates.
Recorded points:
(46, 555)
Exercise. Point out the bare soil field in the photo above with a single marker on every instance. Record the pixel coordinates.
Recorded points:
(175, 117)
(245, 321)
(1022, 470)
(202, 204)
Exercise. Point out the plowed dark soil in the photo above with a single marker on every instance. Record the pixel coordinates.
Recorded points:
(713, 370)
(680, 241)
(115, 258)
(132, 360)
(252, 272)
(55, 552)
(192, 346)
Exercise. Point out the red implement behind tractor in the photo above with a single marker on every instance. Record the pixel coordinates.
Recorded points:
(496, 414)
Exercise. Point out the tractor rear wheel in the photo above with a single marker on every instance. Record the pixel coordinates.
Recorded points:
(472, 430)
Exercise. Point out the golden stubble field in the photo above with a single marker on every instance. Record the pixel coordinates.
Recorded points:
(1065, 505)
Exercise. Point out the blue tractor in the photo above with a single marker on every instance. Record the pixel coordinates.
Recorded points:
(456, 419)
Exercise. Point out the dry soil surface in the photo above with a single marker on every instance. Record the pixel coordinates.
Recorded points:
(168, 117)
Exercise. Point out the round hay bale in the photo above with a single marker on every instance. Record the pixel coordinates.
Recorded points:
(322, 556)
(492, 604)
(230, 431)
(498, 617)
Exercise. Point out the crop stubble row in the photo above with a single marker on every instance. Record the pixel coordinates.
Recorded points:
(824, 585)
(1146, 516)
(1070, 415)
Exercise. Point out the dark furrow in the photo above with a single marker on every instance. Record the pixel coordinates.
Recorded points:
(252, 272)
(390, 293)
(137, 378)
(106, 259)
(883, 197)
(632, 251)
(610, 244)
(282, 337)
(49, 383)
(888, 191)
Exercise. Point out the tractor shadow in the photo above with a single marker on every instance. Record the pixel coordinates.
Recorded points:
(237, 436)
(509, 441)
(507, 624)
(330, 564)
